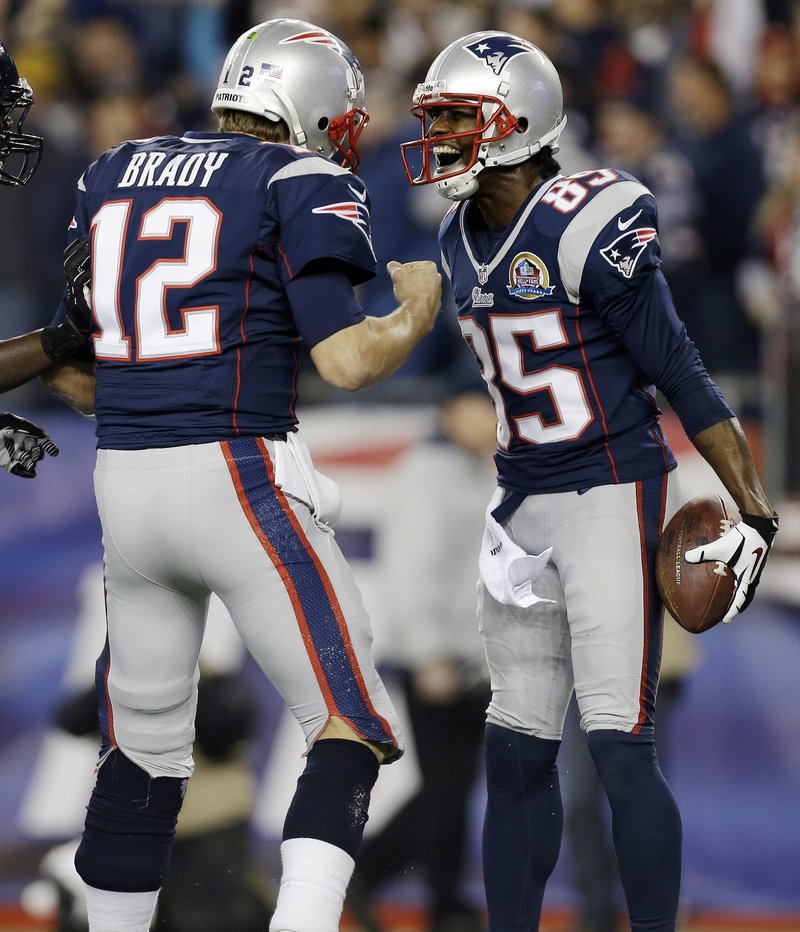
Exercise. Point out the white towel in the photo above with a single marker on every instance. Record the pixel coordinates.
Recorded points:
(506, 570)
(295, 475)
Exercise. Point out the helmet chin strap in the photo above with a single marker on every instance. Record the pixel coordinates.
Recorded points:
(460, 187)
(465, 184)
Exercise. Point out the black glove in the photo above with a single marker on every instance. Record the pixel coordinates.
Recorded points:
(744, 548)
(78, 272)
(22, 445)
(73, 337)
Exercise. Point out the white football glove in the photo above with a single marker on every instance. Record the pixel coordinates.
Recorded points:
(22, 445)
(744, 548)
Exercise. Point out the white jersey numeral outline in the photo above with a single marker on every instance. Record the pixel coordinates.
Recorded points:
(567, 194)
(564, 383)
(155, 339)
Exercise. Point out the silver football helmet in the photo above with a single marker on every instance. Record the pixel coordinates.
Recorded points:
(516, 93)
(20, 152)
(287, 69)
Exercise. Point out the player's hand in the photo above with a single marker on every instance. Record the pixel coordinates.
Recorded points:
(22, 445)
(419, 283)
(77, 270)
(72, 338)
(744, 548)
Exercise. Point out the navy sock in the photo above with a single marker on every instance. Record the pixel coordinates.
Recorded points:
(331, 801)
(646, 827)
(130, 827)
(522, 827)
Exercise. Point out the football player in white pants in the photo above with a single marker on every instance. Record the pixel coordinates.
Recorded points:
(214, 256)
(559, 294)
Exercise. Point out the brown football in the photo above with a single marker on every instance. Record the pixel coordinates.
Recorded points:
(697, 595)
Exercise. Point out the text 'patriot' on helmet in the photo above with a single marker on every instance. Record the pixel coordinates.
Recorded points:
(291, 70)
(518, 101)
(20, 153)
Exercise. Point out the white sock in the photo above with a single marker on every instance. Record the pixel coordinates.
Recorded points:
(112, 911)
(313, 885)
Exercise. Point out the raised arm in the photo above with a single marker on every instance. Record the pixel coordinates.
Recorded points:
(374, 348)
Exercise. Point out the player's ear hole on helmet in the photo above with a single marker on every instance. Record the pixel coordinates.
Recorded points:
(323, 123)
(522, 125)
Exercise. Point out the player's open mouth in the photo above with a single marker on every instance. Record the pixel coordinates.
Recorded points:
(446, 156)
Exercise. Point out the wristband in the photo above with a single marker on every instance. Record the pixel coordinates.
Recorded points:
(61, 341)
(766, 527)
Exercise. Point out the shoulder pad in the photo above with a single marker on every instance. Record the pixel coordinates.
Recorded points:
(591, 219)
(306, 164)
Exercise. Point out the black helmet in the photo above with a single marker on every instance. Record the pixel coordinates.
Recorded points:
(21, 149)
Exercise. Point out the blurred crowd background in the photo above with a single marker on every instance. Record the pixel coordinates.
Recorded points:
(700, 99)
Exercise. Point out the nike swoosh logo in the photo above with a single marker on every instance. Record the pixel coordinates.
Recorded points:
(362, 195)
(627, 223)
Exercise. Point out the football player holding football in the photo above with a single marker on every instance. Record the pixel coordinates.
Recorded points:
(23, 443)
(213, 255)
(560, 297)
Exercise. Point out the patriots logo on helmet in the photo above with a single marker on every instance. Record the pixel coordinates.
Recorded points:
(624, 252)
(318, 37)
(497, 51)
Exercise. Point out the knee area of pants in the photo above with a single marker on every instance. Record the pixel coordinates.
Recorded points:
(334, 754)
(151, 698)
(504, 747)
(620, 757)
(130, 827)
(127, 798)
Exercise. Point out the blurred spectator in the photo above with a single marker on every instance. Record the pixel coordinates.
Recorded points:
(718, 143)
(595, 58)
(405, 221)
(440, 492)
(417, 29)
(727, 32)
(587, 817)
(114, 116)
(536, 23)
(105, 58)
(777, 97)
(773, 295)
(631, 137)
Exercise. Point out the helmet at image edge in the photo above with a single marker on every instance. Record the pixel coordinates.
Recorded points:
(291, 70)
(520, 109)
(22, 149)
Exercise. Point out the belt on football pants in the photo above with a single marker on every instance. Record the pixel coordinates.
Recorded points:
(508, 506)
(281, 435)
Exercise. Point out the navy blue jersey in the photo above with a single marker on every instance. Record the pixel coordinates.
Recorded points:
(194, 240)
(574, 328)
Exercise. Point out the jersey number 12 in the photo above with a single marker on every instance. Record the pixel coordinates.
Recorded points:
(154, 337)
